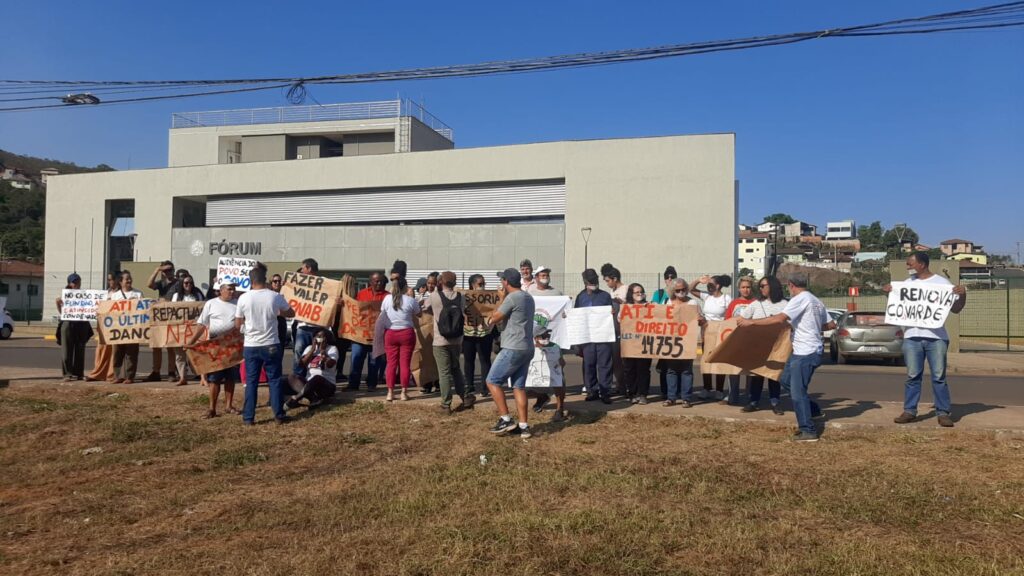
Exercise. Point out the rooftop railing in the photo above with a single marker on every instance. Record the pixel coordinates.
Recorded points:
(313, 113)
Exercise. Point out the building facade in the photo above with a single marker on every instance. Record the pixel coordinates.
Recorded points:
(394, 187)
(841, 230)
(753, 252)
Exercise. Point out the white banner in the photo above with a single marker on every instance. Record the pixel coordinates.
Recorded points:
(919, 304)
(234, 270)
(80, 304)
(593, 324)
(545, 371)
(550, 312)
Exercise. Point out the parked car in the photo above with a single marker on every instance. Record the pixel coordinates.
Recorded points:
(866, 335)
(834, 314)
(8, 326)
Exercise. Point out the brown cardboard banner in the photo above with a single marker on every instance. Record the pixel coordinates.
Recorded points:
(124, 321)
(424, 367)
(479, 306)
(216, 354)
(715, 333)
(761, 350)
(358, 320)
(314, 298)
(659, 331)
(174, 324)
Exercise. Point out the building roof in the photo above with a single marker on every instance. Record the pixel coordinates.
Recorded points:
(20, 268)
(955, 241)
(750, 234)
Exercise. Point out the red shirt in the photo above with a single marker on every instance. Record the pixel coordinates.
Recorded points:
(742, 302)
(368, 295)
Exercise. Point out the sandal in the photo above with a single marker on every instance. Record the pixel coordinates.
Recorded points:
(669, 403)
(390, 397)
(210, 414)
(182, 383)
(233, 410)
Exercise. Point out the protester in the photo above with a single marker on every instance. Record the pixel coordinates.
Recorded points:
(126, 355)
(256, 315)
(679, 373)
(282, 324)
(376, 293)
(103, 364)
(541, 285)
(613, 279)
(218, 316)
(526, 273)
(420, 291)
(303, 332)
(597, 356)
(619, 291)
(770, 303)
(737, 305)
(808, 317)
(448, 308)
(663, 295)
(637, 370)
(73, 336)
(550, 354)
(920, 344)
(514, 319)
(321, 362)
(714, 303)
(162, 280)
(184, 291)
(401, 311)
(477, 342)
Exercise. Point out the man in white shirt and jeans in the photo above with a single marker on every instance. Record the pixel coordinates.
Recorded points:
(808, 318)
(923, 343)
(256, 316)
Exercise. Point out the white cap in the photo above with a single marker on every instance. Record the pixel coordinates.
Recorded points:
(541, 269)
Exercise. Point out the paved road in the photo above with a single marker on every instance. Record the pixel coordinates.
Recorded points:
(860, 382)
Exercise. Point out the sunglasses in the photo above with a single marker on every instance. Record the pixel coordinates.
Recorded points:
(762, 285)
(275, 281)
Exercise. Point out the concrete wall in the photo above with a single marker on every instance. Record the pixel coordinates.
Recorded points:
(423, 138)
(264, 148)
(650, 201)
(369, 144)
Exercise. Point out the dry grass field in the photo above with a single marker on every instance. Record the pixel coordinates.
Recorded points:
(366, 488)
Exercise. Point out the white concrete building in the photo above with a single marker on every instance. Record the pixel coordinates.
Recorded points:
(381, 181)
(841, 230)
(753, 251)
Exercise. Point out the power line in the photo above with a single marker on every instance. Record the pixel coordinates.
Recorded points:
(993, 17)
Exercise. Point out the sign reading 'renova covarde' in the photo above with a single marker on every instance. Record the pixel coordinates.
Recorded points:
(919, 304)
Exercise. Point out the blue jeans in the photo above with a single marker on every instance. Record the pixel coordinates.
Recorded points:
(915, 350)
(303, 338)
(262, 358)
(510, 365)
(796, 377)
(374, 366)
(679, 374)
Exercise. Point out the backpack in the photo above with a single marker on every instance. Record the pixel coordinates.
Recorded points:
(450, 321)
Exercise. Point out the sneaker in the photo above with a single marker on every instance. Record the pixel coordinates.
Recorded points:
(749, 408)
(702, 394)
(805, 437)
(524, 432)
(504, 426)
(607, 399)
(686, 403)
(591, 397)
(719, 395)
(945, 421)
(292, 403)
(905, 418)
(642, 400)
(777, 409)
(541, 402)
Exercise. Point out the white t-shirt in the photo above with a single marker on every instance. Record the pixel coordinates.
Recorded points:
(318, 365)
(937, 333)
(715, 306)
(184, 298)
(122, 295)
(620, 293)
(405, 316)
(260, 309)
(218, 316)
(763, 309)
(808, 317)
(535, 290)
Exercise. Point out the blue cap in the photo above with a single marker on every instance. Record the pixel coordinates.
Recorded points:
(74, 277)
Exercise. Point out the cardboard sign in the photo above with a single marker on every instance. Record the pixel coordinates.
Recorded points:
(80, 304)
(480, 304)
(217, 353)
(552, 312)
(591, 324)
(715, 333)
(919, 304)
(314, 298)
(124, 321)
(659, 331)
(175, 324)
(761, 350)
(424, 367)
(235, 270)
(358, 320)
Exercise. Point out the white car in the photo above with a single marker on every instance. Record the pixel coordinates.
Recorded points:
(834, 314)
(8, 327)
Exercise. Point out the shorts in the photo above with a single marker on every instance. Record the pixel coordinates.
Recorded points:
(510, 364)
(226, 375)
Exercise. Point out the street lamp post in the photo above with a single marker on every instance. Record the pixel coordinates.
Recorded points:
(586, 244)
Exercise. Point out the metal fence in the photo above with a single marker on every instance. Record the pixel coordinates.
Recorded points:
(993, 319)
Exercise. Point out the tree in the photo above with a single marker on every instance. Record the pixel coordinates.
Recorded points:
(745, 272)
(779, 218)
(892, 237)
(871, 237)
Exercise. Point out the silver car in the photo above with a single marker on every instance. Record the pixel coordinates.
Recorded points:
(866, 335)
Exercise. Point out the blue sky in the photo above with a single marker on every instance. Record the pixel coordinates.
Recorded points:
(927, 130)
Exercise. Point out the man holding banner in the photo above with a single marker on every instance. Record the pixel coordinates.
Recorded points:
(256, 316)
(808, 317)
(922, 305)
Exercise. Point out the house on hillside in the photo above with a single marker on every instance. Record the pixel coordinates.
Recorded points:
(21, 283)
(754, 251)
(976, 258)
(796, 230)
(958, 246)
(840, 230)
(46, 173)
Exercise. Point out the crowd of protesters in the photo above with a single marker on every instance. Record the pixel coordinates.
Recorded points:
(457, 348)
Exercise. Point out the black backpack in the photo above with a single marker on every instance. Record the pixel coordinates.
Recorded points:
(450, 321)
